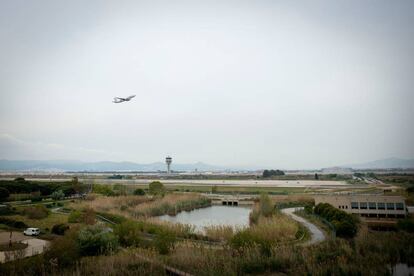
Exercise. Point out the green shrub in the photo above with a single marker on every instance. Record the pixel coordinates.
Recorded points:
(4, 193)
(164, 241)
(103, 190)
(60, 229)
(139, 191)
(75, 217)
(36, 199)
(242, 239)
(346, 225)
(13, 223)
(128, 233)
(36, 212)
(406, 225)
(6, 210)
(96, 240)
(265, 205)
(64, 250)
(156, 188)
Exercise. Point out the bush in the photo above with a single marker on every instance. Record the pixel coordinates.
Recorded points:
(13, 223)
(87, 217)
(164, 241)
(6, 210)
(345, 224)
(65, 250)
(36, 212)
(103, 190)
(265, 205)
(96, 240)
(242, 239)
(4, 193)
(36, 199)
(60, 229)
(139, 192)
(128, 233)
(156, 188)
(406, 225)
(75, 217)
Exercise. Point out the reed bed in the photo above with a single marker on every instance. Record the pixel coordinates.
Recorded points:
(133, 262)
(220, 232)
(109, 204)
(274, 229)
(170, 204)
(134, 206)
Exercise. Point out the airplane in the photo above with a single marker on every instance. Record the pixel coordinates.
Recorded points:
(121, 100)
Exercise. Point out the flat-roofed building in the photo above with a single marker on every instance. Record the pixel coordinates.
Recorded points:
(372, 206)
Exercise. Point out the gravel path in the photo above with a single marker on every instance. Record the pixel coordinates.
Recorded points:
(317, 234)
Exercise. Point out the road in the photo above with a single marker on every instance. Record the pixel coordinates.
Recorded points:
(317, 234)
(34, 246)
(211, 182)
(234, 183)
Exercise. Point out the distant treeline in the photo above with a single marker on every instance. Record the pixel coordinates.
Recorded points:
(270, 173)
(22, 186)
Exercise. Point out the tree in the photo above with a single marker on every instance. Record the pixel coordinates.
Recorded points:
(4, 193)
(75, 184)
(267, 173)
(156, 188)
(316, 176)
(56, 195)
(60, 229)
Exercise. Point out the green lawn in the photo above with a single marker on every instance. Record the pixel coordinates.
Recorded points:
(43, 224)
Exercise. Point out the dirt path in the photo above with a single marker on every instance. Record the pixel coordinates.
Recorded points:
(317, 234)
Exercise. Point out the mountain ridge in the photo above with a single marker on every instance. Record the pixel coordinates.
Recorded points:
(74, 165)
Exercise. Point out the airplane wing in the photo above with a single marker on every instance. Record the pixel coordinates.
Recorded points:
(118, 100)
(130, 97)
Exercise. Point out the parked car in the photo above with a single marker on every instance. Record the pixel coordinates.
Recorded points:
(31, 231)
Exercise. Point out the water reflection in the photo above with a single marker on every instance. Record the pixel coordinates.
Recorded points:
(213, 215)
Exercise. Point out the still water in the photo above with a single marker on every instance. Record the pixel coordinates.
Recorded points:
(213, 215)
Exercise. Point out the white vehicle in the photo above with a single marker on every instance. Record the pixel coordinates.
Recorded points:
(31, 232)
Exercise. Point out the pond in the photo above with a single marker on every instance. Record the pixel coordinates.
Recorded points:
(213, 215)
(402, 269)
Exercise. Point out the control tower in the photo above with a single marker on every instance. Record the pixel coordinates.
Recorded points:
(168, 160)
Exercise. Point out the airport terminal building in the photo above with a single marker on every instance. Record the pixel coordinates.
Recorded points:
(369, 206)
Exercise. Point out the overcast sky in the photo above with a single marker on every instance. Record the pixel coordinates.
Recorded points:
(286, 84)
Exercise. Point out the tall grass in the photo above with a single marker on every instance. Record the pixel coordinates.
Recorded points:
(274, 229)
(220, 232)
(170, 204)
(142, 206)
(123, 263)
